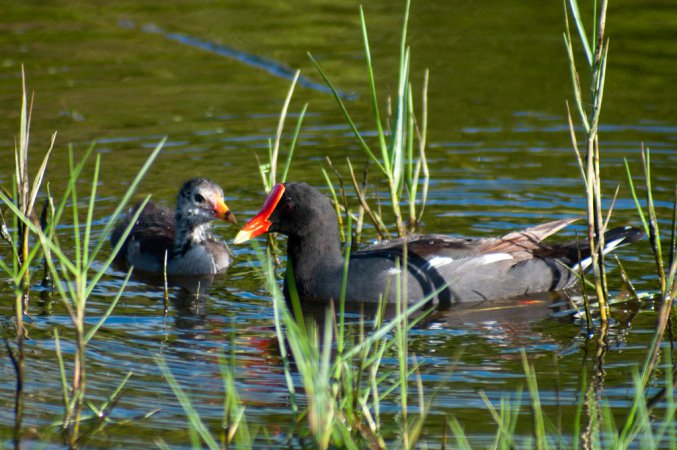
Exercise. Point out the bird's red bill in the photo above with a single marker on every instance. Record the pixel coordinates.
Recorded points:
(259, 224)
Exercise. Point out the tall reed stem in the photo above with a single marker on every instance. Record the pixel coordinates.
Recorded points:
(590, 121)
(23, 199)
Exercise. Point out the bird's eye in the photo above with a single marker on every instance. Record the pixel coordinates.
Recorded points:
(288, 206)
(198, 198)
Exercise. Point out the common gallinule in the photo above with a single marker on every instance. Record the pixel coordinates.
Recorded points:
(184, 234)
(461, 269)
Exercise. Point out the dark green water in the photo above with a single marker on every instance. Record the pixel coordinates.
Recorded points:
(500, 159)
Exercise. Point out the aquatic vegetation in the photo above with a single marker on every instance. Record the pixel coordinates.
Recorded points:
(596, 51)
(269, 169)
(72, 274)
(23, 256)
(666, 296)
(401, 143)
(348, 383)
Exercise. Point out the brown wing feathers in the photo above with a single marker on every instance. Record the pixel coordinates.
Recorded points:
(524, 244)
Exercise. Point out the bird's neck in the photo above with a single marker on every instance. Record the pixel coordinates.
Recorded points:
(189, 234)
(313, 252)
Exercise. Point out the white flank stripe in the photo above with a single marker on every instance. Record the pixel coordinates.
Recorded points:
(439, 261)
(493, 257)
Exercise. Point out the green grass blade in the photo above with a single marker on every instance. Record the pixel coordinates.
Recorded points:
(280, 127)
(94, 280)
(374, 99)
(62, 368)
(278, 311)
(578, 95)
(58, 282)
(409, 176)
(76, 218)
(362, 142)
(399, 127)
(503, 431)
(126, 197)
(70, 185)
(111, 401)
(297, 311)
(292, 146)
(537, 411)
(423, 139)
(337, 205)
(581, 29)
(234, 419)
(344, 287)
(385, 329)
(668, 428)
(8, 270)
(39, 176)
(90, 211)
(92, 331)
(196, 424)
(459, 434)
(640, 211)
(599, 88)
(37, 231)
(653, 221)
(27, 264)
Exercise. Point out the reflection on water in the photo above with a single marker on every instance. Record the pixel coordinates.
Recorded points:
(500, 160)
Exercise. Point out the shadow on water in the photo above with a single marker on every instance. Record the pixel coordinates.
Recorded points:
(185, 295)
(514, 322)
(274, 68)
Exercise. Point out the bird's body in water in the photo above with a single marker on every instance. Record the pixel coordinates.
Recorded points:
(444, 268)
(182, 236)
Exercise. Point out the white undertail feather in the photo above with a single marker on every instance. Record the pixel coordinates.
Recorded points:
(584, 264)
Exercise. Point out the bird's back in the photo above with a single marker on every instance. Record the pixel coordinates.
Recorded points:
(150, 238)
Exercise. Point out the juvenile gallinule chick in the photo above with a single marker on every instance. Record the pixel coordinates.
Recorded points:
(461, 269)
(184, 234)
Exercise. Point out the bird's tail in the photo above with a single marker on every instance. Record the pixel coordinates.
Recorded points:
(613, 239)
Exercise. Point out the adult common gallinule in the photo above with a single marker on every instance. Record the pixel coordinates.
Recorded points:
(184, 235)
(461, 269)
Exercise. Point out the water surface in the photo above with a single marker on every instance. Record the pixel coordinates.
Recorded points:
(500, 159)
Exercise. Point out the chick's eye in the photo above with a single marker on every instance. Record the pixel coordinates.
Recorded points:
(198, 198)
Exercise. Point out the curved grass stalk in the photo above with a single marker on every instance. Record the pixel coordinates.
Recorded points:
(337, 205)
(196, 424)
(278, 136)
(268, 170)
(292, 145)
(348, 117)
(397, 162)
(236, 430)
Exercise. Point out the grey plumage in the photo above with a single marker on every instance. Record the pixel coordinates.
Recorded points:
(451, 269)
(183, 234)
